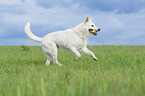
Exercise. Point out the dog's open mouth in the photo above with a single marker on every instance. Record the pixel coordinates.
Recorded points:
(93, 31)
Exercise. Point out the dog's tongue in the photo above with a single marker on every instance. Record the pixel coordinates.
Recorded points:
(95, 33)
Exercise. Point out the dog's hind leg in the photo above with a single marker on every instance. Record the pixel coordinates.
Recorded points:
(50, 50)
(49, 57)
(54, 55)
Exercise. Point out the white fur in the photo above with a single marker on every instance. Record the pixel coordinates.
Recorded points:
(71, 39)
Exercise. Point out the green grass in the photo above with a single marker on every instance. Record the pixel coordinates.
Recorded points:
(120, 71)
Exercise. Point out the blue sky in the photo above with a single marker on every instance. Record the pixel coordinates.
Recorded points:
(122, 22)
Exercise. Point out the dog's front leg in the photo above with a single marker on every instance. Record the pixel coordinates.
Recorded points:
(75, 51)
(88, 52)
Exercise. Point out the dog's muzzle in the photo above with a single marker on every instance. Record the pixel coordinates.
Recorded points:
(93, 31)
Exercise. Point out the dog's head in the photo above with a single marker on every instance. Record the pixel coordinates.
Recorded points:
(90, 26)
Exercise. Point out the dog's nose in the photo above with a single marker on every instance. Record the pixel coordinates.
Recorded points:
(99, 29)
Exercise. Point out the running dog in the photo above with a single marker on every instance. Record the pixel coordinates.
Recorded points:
(71, 39)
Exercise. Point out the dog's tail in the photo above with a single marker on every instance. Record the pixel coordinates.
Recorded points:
(30, 34)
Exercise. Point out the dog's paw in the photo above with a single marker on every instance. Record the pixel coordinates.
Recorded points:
(60, 64)
(75, 58)
(96, 59)
(47, 63)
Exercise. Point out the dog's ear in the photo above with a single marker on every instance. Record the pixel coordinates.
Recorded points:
(87, 19)
(91, 19)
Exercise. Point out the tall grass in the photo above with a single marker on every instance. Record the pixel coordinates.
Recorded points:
(120, 71)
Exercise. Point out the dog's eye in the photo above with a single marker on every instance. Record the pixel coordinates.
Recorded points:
(92, 25)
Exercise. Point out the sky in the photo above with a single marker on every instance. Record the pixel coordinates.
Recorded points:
(122, 22)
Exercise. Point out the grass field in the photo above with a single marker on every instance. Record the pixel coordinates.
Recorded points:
(120, 71)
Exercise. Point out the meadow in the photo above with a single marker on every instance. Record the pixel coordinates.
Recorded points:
(120, 71)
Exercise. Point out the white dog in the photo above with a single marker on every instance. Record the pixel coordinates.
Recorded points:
(71, 39)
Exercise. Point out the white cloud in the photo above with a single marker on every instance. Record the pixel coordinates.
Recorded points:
(112, 25)
(10, 2)
(39, 15)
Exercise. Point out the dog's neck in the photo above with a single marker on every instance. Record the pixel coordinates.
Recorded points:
(81, 31)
